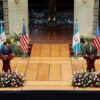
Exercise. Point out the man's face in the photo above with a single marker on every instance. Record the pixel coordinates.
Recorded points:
(6, 45)
(91, 44)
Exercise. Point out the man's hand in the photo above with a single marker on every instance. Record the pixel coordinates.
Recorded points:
(5, 57)
(13, 54)
(91, 57)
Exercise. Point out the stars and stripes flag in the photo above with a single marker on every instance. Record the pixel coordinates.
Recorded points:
(96, 39)
(2, 34)
(76, 39)
(24, 40)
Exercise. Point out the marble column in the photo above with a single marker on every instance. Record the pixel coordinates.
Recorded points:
(86, 11)
(17, 10)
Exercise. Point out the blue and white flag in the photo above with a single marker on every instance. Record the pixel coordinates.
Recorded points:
(97, 30)
(96, 40)
(76, 39)
(2, 34)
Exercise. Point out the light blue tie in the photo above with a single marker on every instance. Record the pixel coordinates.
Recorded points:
(90, 49)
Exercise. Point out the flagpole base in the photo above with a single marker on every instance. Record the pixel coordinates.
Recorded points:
(24, 55)
(76, 56)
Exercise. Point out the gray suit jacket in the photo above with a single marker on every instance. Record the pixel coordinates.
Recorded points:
(93, 52)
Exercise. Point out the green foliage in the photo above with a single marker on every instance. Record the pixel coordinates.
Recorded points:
(12, 40)
(82, 49)
(16, 37)
(16, 50)
(83, 44)
(84, 38)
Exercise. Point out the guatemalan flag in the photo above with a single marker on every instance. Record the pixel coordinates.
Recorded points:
(2, 34)
(76, 39)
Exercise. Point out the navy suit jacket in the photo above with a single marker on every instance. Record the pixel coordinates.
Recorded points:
(6, 51)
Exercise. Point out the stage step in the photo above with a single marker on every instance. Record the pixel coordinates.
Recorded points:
(50, 50)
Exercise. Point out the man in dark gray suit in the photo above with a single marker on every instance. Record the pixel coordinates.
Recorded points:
(91, 52)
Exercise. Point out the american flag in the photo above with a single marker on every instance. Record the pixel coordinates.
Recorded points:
(24, 40)
(96, 40)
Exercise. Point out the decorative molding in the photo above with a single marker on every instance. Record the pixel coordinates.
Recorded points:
(6, 15)
(16, 1)
(84, 1)
(96, 0)
(96, 13)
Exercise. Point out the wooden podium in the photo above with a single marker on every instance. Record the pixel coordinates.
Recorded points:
(6, 62)
(88, 57)
(90, 62)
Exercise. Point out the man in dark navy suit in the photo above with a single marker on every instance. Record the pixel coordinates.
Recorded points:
(91, 52)
(6, 51)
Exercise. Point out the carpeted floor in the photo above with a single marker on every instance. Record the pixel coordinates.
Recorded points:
(49, 95)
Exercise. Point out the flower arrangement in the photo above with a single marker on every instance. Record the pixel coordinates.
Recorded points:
(11, 79)
(14, 41)
(13, 38)
(86, 79)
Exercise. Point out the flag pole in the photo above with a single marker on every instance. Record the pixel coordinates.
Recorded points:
(24, 55)
(0, 26)
(76, 54)
(24, 40)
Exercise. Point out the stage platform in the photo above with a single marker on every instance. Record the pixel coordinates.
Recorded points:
(49, 67)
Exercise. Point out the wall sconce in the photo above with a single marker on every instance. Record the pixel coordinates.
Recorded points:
(49, 18)
(54, 19)
(16, 1)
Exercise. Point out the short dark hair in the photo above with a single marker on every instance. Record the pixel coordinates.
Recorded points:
(5, 43)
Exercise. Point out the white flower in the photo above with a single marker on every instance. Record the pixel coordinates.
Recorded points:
(21, 74)
(79, 83)
(98, 79)
(84, 85)
(79, 80)
(91, 85)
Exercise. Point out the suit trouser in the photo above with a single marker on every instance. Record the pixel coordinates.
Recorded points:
(6, 66)
(90, 65)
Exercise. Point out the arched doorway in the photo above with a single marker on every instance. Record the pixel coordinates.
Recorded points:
(1, 10)
(99, 12)
(51, 21)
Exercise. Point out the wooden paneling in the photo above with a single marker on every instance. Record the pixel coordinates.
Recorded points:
(45, 50)
(55, 72)
(43, 72)
(55, 50)
(36, 50)
(31, 72)
(65, 50)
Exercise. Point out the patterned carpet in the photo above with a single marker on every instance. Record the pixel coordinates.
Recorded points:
(50, 35)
